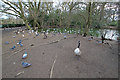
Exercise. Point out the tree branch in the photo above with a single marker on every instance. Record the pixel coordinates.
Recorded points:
(39, 4)
(11, 6)
(10, 13)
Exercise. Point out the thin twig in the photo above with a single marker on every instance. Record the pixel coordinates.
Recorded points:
(19, 73)
(51, 72)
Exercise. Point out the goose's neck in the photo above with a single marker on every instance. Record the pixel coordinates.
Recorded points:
(78, 45)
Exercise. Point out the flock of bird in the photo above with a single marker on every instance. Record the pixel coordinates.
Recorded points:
(24, 64)
(24, 56)
(77, 50)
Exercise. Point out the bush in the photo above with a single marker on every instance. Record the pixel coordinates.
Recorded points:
(114, 23)
(12, 25)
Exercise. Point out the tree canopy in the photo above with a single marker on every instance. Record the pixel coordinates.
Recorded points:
(37, 14)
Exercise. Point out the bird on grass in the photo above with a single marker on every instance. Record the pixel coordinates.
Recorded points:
(24, 55)
(77, 50)
(25, 64)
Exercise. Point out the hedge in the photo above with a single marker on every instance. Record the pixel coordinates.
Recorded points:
(12, 25)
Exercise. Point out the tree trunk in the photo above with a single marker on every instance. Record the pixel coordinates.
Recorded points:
(69, 19)
(60, 20)
(81, 28)
(102, 11)
(26, 23)
(37, 24)
(89, 17)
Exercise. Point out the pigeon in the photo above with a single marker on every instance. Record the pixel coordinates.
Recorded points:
(14, 36)
(13, 47)
(90, 39)
(24, 55)
(37, 34)
(32, 31)
(65, 37)
(100, 42)
(20, 41)
(25, 64)
(6, 42)
(17, 43)
(21, 45)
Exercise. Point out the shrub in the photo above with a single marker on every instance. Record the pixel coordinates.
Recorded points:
(114, 23)
(12, 25)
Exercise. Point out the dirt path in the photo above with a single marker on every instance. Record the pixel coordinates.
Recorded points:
(96, 61)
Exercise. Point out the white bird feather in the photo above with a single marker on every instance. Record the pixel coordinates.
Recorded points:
(77, 51)
(23, 35)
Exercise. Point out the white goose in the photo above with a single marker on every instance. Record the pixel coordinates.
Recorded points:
(77, 50)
